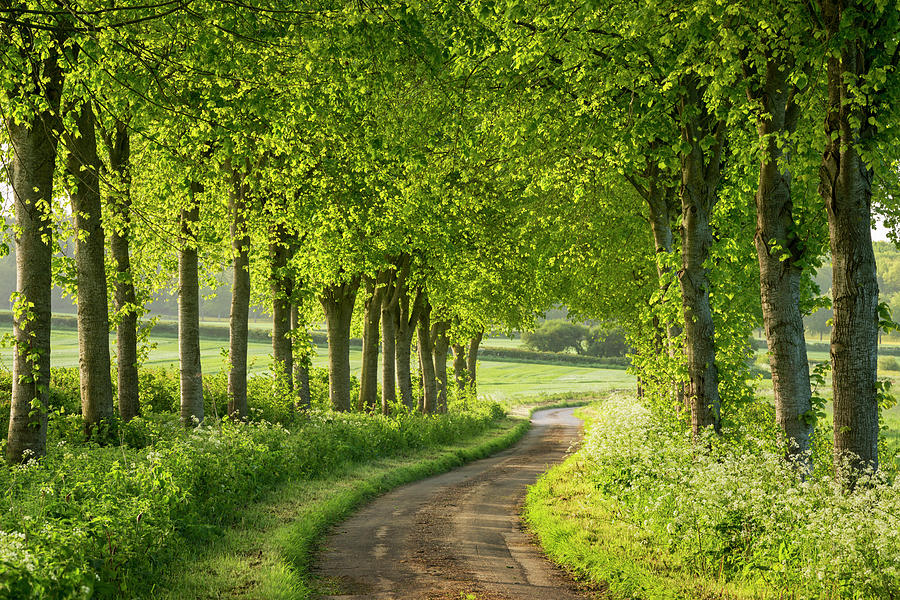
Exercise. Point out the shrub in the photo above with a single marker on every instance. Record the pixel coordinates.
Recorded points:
(733, 509)
(888, 363)
(606, 343)
(89, 521)
(562, 336)
(556, 336)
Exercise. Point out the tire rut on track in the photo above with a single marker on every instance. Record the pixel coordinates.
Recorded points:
(455, 534)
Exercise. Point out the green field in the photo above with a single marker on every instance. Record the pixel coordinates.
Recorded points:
(496, 380)
(891, 416)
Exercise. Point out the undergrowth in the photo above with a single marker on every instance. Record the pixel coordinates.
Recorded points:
(646, 512)
(98, 521)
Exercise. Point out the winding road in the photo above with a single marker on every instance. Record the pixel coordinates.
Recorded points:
(455, 534)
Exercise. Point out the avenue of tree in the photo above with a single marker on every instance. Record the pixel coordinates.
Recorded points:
(425, 171)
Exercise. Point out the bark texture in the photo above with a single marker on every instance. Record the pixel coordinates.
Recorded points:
(189, 315)
(661, 196)
(34, 145)
(410, 309)
(426, 360)
(301, 364)
(441, 345)
(282, 290)
(778, 250)
(368, 381)
(240, 299)
(83, 167)
(459, 367)
(700, 173)
(846, 188)
(337, 302)
(119, 149)
(472, 360)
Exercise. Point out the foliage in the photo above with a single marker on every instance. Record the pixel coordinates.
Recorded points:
(888, 363)
(558, 335)
(88, 521)
(530, 356)
(732, 512)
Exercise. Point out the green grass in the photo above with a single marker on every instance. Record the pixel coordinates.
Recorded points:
(496, 380)
(500, 380)
(642, 513)
(502, 342)
(586, 532)
(268, 553)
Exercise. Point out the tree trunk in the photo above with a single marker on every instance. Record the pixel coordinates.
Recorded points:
(426, 361)
(125, 299)
(282, 350)
(83, 166)
(189, 314)
(441, 344)
(472, 360)
(662, 200)
(700, 173)
(337, 302)
(301, 364)
(390, 317)
(459, 367)
(779, 249)
(390, 324)
(846, 188)
(409, 317)
(368, 382)
(240, 299)
(31, 177)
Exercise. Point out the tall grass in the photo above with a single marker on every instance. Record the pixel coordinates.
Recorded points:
(719, 519)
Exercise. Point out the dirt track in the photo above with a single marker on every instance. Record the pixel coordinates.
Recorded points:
(456, 533)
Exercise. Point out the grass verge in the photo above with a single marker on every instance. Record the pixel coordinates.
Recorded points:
(267, 554)
(587, 533)
(584, 532)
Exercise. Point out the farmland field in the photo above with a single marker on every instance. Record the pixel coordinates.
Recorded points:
(496, 379)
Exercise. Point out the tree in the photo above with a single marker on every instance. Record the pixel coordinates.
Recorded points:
(281, 282)
(240, 297)
(83, 166)
(430, 401)
(786, 246)
(861, 60)
(337, 301)
(118, 149)
(189, 311)
(557, 336)
(32, 83)
(368, 382)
